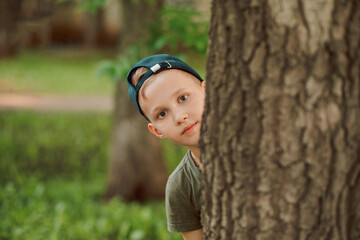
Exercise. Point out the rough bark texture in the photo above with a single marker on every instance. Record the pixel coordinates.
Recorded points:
(136, 171)
(281, 134)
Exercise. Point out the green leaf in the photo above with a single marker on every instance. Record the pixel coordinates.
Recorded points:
(106, 68)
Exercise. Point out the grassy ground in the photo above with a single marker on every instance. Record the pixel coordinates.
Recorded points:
(53, 72)
(63, 72)
(60, 209)
(53, 172)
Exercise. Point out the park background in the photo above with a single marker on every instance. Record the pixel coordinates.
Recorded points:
(55, 157)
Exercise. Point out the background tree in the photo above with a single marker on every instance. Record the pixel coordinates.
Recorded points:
(281, 132)
(136, 170)
(93, 28)
(9, 14)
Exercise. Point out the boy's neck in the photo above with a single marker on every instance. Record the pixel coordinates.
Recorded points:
(195, 153)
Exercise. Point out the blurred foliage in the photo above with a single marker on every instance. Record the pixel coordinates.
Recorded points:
(87, 5)
(138, 1)
(179, 30)
(53, 171)
(66, 72)
(70, 146)
(94, 5)
(52, 145)
(118, 68)
(68, 210)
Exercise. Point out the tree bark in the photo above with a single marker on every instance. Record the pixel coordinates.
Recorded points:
(136, 171)
(281, 135)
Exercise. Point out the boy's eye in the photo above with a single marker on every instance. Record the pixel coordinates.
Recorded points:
(182, 98)
(161, 114)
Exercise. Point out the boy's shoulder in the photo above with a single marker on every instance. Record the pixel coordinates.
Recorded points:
(184, 176)
(181, 167)
(182, 198)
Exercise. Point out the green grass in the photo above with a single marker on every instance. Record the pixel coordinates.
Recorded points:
(64, 72)
(53, 173)
(61, 72)
(49, 144)
(61, 209)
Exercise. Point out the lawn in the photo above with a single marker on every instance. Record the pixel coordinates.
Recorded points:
(53, 172)
(61, 72)
(64, 72)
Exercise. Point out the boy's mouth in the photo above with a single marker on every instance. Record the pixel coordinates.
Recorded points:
(189, 128)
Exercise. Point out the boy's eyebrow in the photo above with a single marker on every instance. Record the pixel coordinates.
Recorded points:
(153, 111)
(177, 91)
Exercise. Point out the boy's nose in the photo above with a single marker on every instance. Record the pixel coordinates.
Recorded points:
(181, 117)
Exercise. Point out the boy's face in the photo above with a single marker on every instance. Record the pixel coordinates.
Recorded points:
(174, 101)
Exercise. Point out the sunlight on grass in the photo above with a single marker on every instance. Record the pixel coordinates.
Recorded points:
(65, 72)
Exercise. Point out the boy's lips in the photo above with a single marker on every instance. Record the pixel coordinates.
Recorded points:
(189, 128)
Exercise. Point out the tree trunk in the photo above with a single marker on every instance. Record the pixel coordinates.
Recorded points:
(91, 30)
(136, 17)
(9, 11)
(281, 135)
(136, 171)
(94, 28)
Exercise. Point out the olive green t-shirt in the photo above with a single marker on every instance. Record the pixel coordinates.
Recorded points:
(182, 197)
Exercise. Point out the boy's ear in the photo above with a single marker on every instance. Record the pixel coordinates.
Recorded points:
(203, 84)
(154, 131)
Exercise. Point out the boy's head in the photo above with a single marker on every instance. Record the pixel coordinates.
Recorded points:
(170, 94)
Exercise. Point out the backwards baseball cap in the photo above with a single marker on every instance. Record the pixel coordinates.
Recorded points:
(155, 64)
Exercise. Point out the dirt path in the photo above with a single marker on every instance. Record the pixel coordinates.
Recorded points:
(9, 101)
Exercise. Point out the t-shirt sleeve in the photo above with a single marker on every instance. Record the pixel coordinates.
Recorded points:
(181, 213)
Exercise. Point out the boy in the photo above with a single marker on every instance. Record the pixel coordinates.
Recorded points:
(170, 95)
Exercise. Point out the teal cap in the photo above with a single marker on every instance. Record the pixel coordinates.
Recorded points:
(155, 64)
